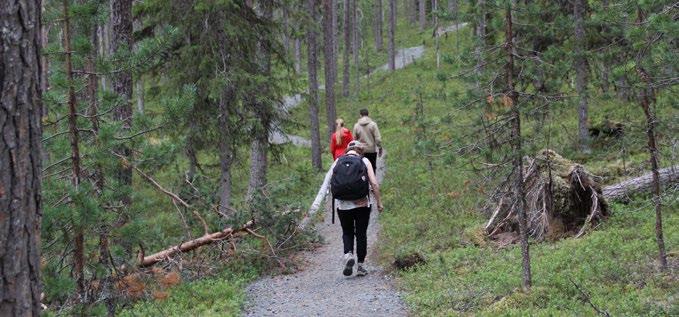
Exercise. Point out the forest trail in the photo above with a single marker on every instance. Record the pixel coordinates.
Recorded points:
(320, 289)
(403, 58)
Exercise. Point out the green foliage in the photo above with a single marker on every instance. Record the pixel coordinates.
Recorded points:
(219, 296)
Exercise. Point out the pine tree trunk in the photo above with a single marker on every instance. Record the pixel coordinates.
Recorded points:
(519, 197)
(298, 55)
(422, 10)
(356, 45)
(391, 45)
(312, 63)
(434, 7)
(259, 147)
(44, 60)
(580, 61)
(337, 33)
(286, 30)
(651, 122)
(20, 153)
(377, 25)
(190, 151)
(481, 34)
(330, 66)
(452, 9)
(225, 154)
(346, 63)
(139, 87)
(79, 239)
(121, 22)
(411, 7)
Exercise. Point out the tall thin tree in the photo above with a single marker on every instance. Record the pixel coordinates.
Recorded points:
(348, 32)
(377, 25)
(259, 147)
(312, 63)
(580, 63)
(517, 157)
(391, 34)
(330, 60)
(121, 43)
(422, 10)
(20, 165)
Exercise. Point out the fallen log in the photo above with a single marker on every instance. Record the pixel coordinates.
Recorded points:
(623, 190)
(322, 192)
(227, 233)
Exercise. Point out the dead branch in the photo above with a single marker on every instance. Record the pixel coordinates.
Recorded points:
(273, 252)
(194, 244)
(174, 197)
(587, 299)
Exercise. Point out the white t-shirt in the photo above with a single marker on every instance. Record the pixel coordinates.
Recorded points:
(351, 204)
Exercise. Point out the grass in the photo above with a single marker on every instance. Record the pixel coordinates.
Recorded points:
(434, 210)
(222, 295)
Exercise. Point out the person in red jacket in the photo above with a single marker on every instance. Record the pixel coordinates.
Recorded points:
(339, 140)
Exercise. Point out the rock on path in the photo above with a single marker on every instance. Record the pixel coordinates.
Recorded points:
(320, 289)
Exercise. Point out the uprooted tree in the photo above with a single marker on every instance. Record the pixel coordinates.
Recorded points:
(562, 198)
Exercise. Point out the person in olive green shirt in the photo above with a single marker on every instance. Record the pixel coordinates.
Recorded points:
(366, 131)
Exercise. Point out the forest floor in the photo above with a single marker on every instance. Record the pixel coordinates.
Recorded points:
(320, 289)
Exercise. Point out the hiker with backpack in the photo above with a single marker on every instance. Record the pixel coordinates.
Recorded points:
(339, 140)
(366, 131)
(353, 178)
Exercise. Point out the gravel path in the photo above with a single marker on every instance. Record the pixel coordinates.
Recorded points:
(320, 289)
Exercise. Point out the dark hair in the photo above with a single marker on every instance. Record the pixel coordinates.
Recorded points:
(363, 112)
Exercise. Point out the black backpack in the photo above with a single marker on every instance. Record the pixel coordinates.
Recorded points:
(349, 178)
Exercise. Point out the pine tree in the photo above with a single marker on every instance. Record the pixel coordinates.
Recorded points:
(312, 60)
(330, 63)
(391, 34)
(20, 154)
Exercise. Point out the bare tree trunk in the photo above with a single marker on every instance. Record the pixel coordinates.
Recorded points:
(377, 25)
(190, 151)
(337, 31)
(481, 34)
(651, 122)
(312, 63)
(391, 34)
(140, 94)
(330, 66)
(20, 164)
(121, 21)
(411, 7)
(422, 13)
(286, 30)
(519, 197)
(434, 8)
(79, 239)
(452, 9)
(44, 60)
(298, 55)
(356, 45)
(225, 154)
(580, 61)
(346, 63)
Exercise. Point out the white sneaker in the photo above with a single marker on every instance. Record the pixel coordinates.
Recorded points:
(360, 270)
(349, 262)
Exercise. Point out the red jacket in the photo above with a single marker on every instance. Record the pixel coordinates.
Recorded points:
(337, 150)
